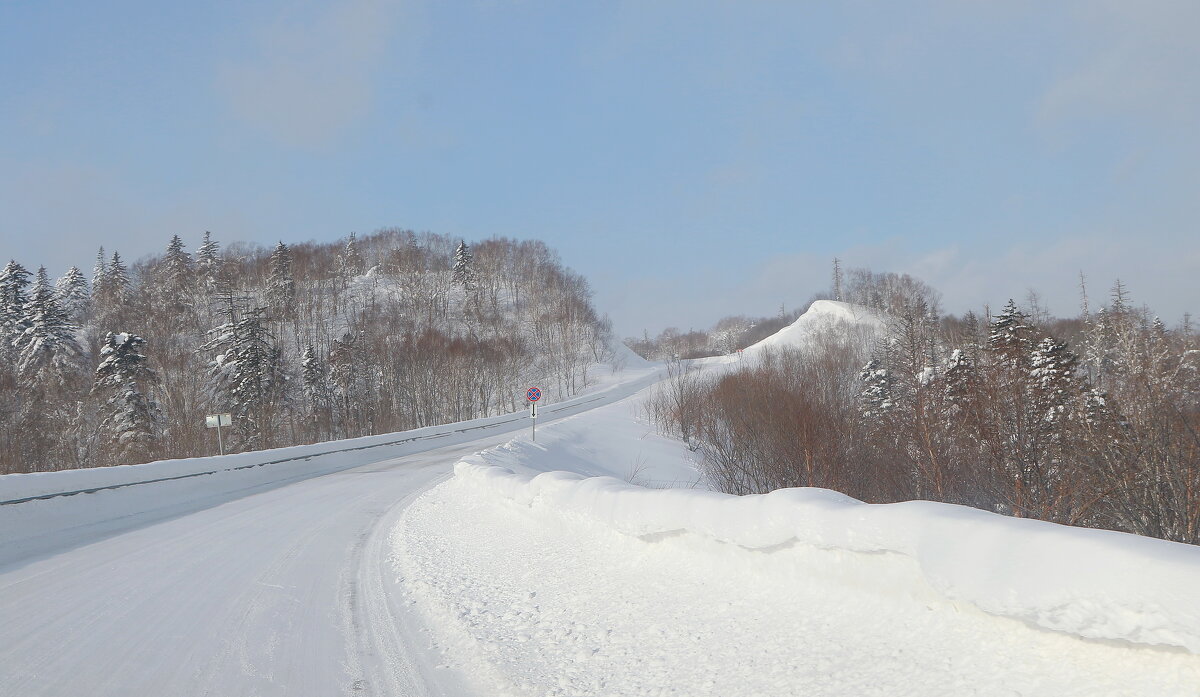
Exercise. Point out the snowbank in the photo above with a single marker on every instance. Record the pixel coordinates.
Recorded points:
(821, 316)
(1089, 583)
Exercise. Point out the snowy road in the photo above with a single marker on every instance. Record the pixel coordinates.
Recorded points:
(264, 581)
(372, 571)
(279, 593)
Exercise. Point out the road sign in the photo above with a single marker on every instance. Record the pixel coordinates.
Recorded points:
(217, 421)
(532, 396)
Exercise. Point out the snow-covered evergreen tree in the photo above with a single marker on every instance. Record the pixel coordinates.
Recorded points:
(14, 297)
(130, 421)
(47, 352)
(463, 273)
(877, 398)
(1052, 373)
(249, 377)
(353, 387)
(117, 279)
(351, 262)
(208, 263)
(176, 279)
(1009, 340)
(960, 382)
(99, 273)
(315, 378)
(281, 285)
(177, 263)
(74, 294)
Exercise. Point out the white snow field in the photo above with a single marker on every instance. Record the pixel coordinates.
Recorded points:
(267, 580)
(559, 584)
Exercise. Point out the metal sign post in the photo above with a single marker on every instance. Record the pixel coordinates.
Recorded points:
(532, 396)
(217, 421)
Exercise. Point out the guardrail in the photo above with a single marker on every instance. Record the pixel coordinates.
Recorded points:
(308, 456)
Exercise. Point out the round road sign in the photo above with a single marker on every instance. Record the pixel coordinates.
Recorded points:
(534, 394)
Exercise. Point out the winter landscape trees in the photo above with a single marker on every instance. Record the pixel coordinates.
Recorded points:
(303, 342)
(1092, 421)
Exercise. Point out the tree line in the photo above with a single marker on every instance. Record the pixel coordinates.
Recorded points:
(301, 343)
(1090, 421)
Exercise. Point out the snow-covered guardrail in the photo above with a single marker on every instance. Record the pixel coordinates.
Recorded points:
(23, 488)
(1090, 583)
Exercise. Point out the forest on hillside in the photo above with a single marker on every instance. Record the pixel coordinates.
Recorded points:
(1091, 420)
(300, 343)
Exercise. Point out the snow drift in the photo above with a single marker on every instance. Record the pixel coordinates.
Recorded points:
(822, 316)
(1089, 583)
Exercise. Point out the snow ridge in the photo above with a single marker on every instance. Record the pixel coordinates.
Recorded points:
(822, 315)
(1094, 584)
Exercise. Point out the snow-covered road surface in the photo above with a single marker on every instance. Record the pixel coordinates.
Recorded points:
(279, 593)
(270, 580)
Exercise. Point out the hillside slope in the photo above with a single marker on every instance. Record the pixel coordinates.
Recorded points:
(822, 316)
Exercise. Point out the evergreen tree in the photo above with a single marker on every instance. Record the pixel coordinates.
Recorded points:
(177, 264)
(99, 275)
(1052, 373)
(353, 390)
(351, 261)
(463, 273)
(208, 264)
(877, 398)
(110, 290)
(344, 377)
(117, 279)
(281, 285)
(74, 294)
(961, 383)
(130, 422)
(14, 297)
(1009, 341)
(176, 278)
(249, 376)
(47, 353)
(315, 378)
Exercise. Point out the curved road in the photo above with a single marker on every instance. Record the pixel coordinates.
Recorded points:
(283, 591)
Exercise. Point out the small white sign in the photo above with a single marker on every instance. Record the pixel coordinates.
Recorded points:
(217, 420)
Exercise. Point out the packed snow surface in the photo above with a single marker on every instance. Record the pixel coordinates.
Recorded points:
(562, 584)
(254, 574)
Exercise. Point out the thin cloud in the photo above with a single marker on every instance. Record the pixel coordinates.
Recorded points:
(310, 79)
(1136, 58)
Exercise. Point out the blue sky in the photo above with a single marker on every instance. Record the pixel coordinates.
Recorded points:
(691, 159)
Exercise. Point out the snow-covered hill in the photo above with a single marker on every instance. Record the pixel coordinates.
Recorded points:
(822, 316)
